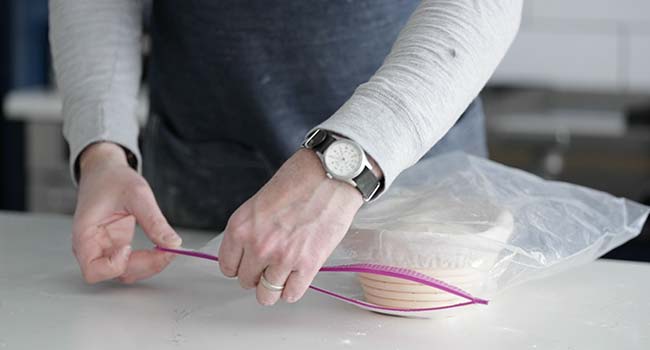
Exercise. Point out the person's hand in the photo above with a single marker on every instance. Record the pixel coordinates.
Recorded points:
(111, 198)
(287, 230)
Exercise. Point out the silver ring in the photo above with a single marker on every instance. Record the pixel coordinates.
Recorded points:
(270, 286)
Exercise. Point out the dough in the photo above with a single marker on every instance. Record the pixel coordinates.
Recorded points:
(458, 251)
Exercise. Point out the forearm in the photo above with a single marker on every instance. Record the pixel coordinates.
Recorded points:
(96, 53)
(441, 60)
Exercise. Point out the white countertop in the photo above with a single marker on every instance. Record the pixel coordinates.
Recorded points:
(45, 304)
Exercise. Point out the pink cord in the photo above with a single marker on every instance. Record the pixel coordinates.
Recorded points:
(396, 272)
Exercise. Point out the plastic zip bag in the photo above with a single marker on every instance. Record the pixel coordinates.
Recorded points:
(455, 230)
(404, 275)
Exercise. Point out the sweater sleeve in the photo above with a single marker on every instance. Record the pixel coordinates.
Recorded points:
(440, 61)
(96, 53)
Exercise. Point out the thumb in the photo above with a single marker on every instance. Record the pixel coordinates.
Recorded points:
(143, 206)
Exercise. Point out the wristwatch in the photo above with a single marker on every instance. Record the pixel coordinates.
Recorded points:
(344, 160)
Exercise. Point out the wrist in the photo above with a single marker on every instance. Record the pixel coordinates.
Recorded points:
(313, 168)
(101, 153)
(345, 160)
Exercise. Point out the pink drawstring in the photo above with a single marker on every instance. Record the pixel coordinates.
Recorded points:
(390, 271)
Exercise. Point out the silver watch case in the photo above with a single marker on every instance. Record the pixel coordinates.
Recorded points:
(349, 179)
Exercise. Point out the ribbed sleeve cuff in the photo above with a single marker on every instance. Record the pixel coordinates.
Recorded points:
(111, 124)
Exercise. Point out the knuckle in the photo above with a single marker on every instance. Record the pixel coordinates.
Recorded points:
(157, 223)
(235, 219)
(238, 219)
(238, 231)
(307, 263)
(283, 258)
(159, 266)
(89, 277)
(77, 229)
(228, 269)
(262, 248)
(291, 296)
(139, 190)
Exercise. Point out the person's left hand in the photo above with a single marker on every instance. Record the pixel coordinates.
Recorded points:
(288, 229)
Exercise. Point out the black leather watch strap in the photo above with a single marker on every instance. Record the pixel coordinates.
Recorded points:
(367, 183)
(319, 140)
(321, 147)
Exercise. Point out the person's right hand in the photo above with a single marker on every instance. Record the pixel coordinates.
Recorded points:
(111, 198)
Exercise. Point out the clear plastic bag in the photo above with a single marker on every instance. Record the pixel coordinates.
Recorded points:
(482, 227)
(455, 230)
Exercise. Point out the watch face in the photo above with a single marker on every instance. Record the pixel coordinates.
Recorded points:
(343, 159)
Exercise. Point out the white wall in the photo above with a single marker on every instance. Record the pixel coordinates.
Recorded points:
(587, 45)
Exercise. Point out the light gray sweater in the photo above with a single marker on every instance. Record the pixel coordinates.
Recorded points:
(441, 60)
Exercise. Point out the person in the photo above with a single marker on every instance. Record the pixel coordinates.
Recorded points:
(234, 87)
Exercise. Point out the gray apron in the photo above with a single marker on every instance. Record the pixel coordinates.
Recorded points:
(236, 84)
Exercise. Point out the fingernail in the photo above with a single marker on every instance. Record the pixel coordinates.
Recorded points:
(173, 239)
(126, 251)
(291, 300)
(229, 277)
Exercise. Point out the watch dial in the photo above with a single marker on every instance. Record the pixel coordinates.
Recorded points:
(343, 159)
